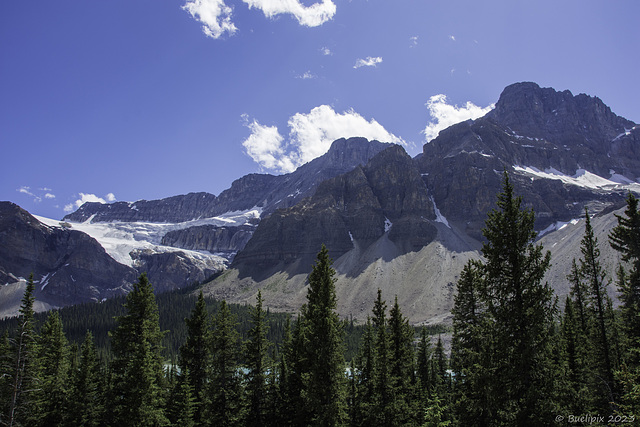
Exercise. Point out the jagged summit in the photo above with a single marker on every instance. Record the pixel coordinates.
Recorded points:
(265, 191)
(527, 109)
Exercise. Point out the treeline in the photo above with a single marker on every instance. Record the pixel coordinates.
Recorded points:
(516, 358)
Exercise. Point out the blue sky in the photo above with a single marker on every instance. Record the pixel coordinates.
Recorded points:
(129, 100)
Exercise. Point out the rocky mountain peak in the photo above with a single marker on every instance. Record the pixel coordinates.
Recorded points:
(530, 110)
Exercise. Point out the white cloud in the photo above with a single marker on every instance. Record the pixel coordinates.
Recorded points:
(368, 62)
(414, 41)
(25, 190)
(214, 15)
(326, 51)
(37, 194)
(453, 38)
(306, 75)
(444, 115)
(310, 136)
(84, 198)
(308, 16)
(265, 146)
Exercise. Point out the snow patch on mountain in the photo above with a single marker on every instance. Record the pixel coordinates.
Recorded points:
(556, 226)
(439, 216)
(119, 239)
(582, 178)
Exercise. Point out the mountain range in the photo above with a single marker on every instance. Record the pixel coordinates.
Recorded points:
(391, 222)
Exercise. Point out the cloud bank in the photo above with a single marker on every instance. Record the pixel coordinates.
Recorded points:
(308, 16)
(310, 136)
(368, 62)
(444, 115)
(215, 15)
(36, 197)
(89, 198)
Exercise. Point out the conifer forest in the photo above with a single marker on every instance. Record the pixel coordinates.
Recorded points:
(519, 355)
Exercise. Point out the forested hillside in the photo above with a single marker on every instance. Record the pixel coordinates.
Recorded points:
(519, 356)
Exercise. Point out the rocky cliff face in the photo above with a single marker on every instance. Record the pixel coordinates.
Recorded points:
(69, 267)
(386, 196)
(225, 240)
(532, 129)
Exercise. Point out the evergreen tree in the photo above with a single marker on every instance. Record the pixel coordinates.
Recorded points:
(326, 384)
(595, 276)
(404, 408)
(363, 379)
(181, 403)
(519, 317)
(292, 410)
(224, 406)
(137, 392)
(23, 376)
(257, 365)
(625, 238)
(86, 396)
(470, 349)
(382, 384)
(195, 356)
(579, 293)
(52, 395)
(423, 367)
(575, 391)
(6, 366)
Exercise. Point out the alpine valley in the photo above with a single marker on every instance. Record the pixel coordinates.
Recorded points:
(404, 225)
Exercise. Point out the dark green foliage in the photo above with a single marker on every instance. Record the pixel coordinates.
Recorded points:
(137, 394)
(181, 403)
(625, 238)
(195, 356)
(471, 349)
(257, 365)
(86, 400)
(52, 394)
(224, 394)
(518, 315)
(602, 360)
(23, 380)
(325, 382)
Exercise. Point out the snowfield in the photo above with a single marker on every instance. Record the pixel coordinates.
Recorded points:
(119, 239)
(582, 178)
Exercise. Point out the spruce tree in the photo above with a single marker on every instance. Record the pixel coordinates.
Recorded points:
(382, 376)
(575, 390)
(625, 238)
(137, 395)
(87, 393)
(257, 364)
(363, 379)
(423, 368)
(52, 394)
(519, 317)
(6, 366)
(181, 403)
(401, 359)
(326, 383)
(470, 349)
(224, 406)
(602, 360)
(194, 356)
(23, 375)
(293, 370)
